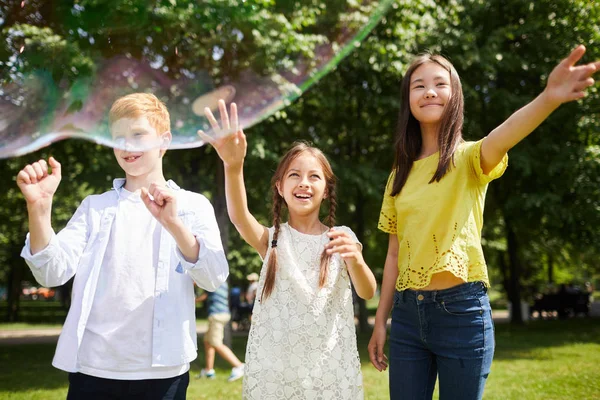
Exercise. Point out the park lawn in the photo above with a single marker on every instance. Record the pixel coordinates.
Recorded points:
(543, 360)
(11, 326)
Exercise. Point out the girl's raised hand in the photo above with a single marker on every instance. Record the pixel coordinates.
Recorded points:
(567, 81)
(229, 140)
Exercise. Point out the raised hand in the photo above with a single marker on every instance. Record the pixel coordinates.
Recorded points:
(229, 141)
(37, 185)
(567, 81)
(162, 205)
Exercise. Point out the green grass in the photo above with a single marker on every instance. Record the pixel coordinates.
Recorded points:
(9, 326)
(543, 360)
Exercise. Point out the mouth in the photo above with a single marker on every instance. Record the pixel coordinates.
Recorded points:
(303, 196)
(431, 105)
(130, 159)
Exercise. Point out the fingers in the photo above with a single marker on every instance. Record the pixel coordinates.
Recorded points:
(224, 115)
(32, 174)
(575, 56)
(205, 137)
(584, 84)
(378, 359)
(234, 118)
(211, 119)
(145, 197)
(23, 177)
(56, 167)
(40, 170)
(161, 194)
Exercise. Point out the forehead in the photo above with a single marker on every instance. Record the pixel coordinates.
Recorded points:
(127, 126)
(305, 161)
(430, 70)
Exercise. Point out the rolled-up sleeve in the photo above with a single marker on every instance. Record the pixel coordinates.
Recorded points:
(57, 262)
(211, 268)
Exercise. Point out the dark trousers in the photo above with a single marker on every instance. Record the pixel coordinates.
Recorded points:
(86, 387)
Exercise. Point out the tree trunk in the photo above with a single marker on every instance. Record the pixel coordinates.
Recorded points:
(15, 277)
(514, 288)
(550, 269)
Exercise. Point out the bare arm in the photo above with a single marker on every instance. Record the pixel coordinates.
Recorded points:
(231, 148)
(38, 188)
(254, 233)
(386, 301)
(567, 82)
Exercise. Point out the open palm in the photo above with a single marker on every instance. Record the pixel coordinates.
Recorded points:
(568, 81)
(229, 140)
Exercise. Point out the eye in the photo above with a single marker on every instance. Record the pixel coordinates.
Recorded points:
(316, 176)
(419, 87)
(293, 174)
(442, 84)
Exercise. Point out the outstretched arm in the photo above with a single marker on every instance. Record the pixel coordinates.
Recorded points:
(231, 148)
(567, 82)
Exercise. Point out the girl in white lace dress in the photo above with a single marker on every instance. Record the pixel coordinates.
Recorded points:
(302, 342)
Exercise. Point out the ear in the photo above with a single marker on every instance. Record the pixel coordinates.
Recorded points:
(166, 139)
(325, 194)
(278, 186)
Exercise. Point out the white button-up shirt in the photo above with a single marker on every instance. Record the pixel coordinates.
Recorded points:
(78, 250)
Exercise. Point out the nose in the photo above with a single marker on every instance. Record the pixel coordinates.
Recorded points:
(304, 182)
(430, 94)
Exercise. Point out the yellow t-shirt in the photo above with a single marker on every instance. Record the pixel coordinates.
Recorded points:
(439, 224)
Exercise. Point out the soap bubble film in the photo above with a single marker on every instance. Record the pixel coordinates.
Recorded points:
(63, 64)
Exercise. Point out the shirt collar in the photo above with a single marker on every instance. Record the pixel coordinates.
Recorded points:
(120, 182)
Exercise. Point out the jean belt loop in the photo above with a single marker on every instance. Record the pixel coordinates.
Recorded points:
(433, 295)
(403, 295)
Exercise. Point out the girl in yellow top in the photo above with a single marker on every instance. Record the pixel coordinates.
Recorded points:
(435, 275)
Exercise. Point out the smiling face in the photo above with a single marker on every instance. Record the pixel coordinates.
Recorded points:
(430, 91)
(141, 146)
(303, 185)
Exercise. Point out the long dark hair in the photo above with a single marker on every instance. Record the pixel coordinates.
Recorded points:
(408, 133)
(298, 149)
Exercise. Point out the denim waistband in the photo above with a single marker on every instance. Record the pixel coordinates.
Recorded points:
(463, 291)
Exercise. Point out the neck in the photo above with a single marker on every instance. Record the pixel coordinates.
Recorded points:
(429, 139)
(135, 183)
(308, 224)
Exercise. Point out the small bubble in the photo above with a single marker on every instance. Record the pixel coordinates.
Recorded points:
(21, 49)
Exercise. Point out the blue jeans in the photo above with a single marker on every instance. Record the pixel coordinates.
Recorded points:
(86, 387)
(449, 333)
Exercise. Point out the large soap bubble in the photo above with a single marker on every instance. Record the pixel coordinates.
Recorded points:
(62, 65)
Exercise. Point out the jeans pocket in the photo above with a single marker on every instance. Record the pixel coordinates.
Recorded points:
(462, 307)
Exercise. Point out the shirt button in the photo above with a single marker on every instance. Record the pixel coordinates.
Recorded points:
(420, 297)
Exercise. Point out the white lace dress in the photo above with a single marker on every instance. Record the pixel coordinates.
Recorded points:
(302, 343)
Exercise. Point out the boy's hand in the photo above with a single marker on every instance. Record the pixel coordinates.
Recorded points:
(36, 184)
(162, 205)
(568, 82)
(341, 242)
(229, 141)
